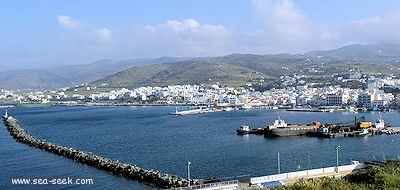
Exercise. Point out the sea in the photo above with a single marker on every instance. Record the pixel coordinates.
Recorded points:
(151, 138)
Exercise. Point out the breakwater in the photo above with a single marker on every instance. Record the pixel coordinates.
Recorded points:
(128, 171)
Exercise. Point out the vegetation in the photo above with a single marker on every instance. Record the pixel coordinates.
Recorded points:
(386, 176)
(263, 72)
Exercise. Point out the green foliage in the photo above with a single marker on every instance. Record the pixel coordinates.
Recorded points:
(371, 177)
(237, 70)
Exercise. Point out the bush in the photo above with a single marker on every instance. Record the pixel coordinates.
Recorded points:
(386, 176)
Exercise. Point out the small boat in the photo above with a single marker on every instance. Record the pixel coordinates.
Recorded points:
(227, 109)
(365, 132)
(5, 115)
(243, 130)
(246, 107)
(380, 123)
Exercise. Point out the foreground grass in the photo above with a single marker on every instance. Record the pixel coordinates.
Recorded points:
(372, 177)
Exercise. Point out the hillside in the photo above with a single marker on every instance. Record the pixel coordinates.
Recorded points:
(70, 75)
(380, 53)
(236, 69)
(194, 71)
(239, 69)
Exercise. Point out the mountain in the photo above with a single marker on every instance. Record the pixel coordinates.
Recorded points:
(194, 71)
(239, 69)
(70, 75)
(235, 69)
(381, 53)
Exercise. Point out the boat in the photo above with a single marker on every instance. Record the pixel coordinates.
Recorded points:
(257, 131)
(321, 132)
(365, 132)
(243, 130)
(5, 115)
(380, 123)
(281, 129)
(246, 107)
(227, 109)
(190, 112)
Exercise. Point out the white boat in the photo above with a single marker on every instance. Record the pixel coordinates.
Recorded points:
(246, 107)
(278, 123)
(365, 132)
(227, 109)
(380, 123)
(189, 112)
(243, 130)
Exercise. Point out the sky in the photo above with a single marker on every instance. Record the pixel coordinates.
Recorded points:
(48, 33)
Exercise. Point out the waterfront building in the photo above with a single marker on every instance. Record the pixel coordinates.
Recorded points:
(334, 99)
(364, 100)
(378, 104)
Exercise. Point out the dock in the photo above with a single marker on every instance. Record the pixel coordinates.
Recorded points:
(195, 111)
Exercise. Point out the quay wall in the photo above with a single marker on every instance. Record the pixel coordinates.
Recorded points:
(305, 173)
(128, 171)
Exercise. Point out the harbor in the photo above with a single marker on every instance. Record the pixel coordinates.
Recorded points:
(129, 171)
(150, 138)
(358, 127)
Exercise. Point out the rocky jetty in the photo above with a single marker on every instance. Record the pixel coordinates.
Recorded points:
(128, 171)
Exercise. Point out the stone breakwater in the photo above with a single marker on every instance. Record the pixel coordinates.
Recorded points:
(128, 171)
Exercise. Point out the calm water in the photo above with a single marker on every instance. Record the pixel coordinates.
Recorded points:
(152, 139)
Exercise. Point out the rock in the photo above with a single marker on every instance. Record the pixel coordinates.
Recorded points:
(129, 171)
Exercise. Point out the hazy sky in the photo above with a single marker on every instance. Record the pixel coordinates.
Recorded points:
(48, 33)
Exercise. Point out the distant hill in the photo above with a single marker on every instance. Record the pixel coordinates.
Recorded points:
(235, 69)
(239, 69)
(380, 53)
(70, 75)
(195, 71)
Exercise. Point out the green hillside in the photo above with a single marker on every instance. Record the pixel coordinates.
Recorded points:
(196, 71)
(239, 69)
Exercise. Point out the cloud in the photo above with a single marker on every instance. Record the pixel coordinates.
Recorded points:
(376, 29)
(67, 22)
(286, 29)
(182, 26)
(283, 18)
(103, 35)
(187, 37)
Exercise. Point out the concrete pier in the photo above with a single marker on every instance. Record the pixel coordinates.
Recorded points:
(128, 171)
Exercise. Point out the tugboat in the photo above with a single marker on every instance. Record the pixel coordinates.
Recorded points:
(243, 130)
(380, 123)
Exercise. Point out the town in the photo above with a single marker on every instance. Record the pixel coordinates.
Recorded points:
(379, 94)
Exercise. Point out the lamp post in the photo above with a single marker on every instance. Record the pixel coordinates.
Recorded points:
(188, 172)
(279, 165)
(337, 158)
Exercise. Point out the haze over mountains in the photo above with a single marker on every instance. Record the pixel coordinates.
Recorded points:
(235, 69)
(70, 75)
